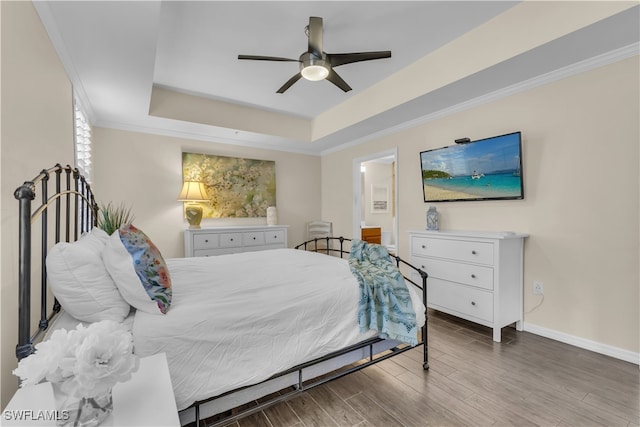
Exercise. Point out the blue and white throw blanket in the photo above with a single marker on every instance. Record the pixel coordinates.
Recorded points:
(385, 303)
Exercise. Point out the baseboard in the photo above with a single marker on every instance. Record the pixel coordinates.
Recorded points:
(608, 350)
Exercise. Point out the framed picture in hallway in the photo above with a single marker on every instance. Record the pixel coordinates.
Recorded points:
(379, 199)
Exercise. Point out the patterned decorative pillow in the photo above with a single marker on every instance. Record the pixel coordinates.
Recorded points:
(139, 270)
(80, 281)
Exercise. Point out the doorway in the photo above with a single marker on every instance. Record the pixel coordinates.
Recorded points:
(375, 191)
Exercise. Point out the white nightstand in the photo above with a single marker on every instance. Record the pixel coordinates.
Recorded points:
(146, 400)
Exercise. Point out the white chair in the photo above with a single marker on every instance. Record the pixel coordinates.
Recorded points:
(319, 229)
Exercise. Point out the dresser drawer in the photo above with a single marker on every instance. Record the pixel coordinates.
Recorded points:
(255, 238)
(205, 241)
(469, 274)
(230, 240)
(267, 247)
(233, 239)
(219, 251)
(275, 236)
(457, 250)
(460, 298)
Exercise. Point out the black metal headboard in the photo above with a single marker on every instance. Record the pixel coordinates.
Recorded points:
(73, 211)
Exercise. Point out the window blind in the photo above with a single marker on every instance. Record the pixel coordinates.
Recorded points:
(83, 142)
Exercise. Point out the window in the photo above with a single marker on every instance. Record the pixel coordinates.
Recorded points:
(83, 142)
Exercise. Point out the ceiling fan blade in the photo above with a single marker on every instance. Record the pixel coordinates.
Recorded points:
(289, 83)
(266, 58)
(334, 78)
(315, 36)
(337, 59)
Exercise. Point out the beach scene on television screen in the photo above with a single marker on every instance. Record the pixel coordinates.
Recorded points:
(485, 169)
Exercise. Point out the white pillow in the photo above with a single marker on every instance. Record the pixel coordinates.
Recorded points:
(80, 281)
(139, 270)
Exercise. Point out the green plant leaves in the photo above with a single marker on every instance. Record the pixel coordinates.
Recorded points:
(111, 217)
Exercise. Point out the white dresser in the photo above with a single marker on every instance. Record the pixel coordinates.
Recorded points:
(473, 275)
(233, 239)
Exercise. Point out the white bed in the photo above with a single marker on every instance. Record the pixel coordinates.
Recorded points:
(235, 320)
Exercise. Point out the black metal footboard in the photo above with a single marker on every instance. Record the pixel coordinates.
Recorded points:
(73, 211)
(336, 246)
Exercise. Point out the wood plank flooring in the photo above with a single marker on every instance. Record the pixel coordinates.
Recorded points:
(526, 380)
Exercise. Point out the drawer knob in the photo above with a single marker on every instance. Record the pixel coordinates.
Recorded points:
(473, 252)
(254, 238)
(206, 240)
(473, 303)
(424, 247)
(473, 276)
(231, 239)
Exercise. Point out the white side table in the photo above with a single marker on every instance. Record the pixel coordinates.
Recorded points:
(146, 400)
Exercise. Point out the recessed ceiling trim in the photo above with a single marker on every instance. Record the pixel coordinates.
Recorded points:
(544, 79)
(181, 106)
(284, 146)
(114, 83)
(461, 58)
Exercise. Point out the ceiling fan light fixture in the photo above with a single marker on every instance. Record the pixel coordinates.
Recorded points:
(313, 68)
(314, 72)
(315, 63)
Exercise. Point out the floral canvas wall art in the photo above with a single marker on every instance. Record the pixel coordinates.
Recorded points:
(237, 187)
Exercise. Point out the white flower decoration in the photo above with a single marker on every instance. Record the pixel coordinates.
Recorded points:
(86, 362)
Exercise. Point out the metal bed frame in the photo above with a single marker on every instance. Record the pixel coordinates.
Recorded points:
(76, 211)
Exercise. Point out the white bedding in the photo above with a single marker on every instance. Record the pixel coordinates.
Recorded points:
(235, 320)
(64, 320)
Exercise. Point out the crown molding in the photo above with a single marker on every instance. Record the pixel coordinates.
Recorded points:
(46, 16)
(197, 136)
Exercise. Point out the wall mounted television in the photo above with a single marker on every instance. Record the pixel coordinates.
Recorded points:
(486, 169)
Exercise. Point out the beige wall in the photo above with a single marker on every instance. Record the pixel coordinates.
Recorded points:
(37, 132)
(580, 140)
(145, 172)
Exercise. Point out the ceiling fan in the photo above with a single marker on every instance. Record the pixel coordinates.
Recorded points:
(316, 64)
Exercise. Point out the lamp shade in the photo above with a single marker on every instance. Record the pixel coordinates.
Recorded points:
(193, 191)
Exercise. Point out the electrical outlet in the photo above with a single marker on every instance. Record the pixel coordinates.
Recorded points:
(538, 287)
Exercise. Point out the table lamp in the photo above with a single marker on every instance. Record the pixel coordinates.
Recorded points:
(192, 193)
